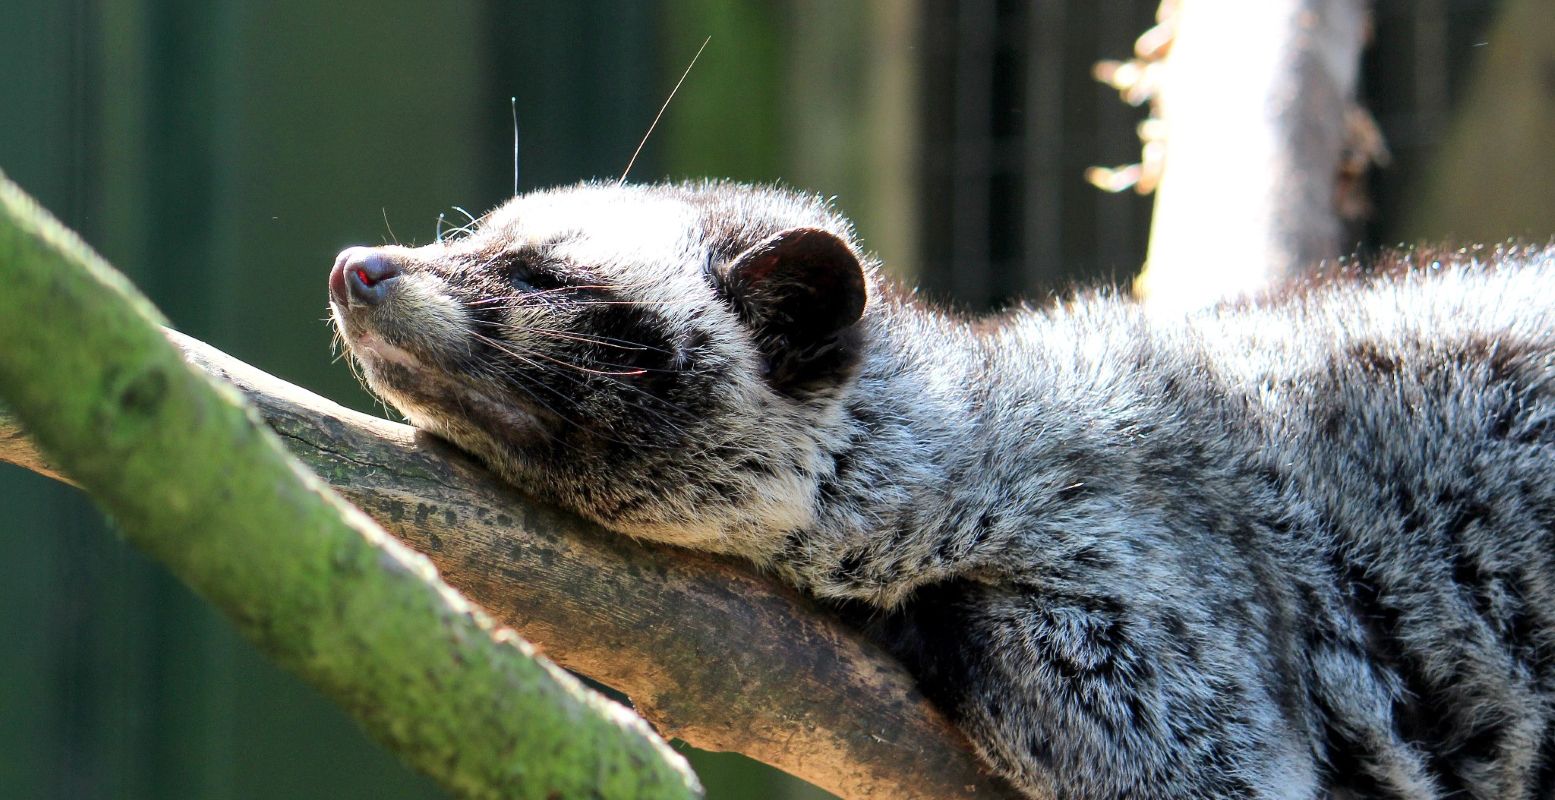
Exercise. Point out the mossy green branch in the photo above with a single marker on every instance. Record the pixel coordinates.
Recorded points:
(192, 478)
(798, 690)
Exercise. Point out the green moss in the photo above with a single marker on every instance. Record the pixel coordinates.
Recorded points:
(195, 480)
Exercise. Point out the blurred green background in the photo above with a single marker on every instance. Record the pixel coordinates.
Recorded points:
(222, 152)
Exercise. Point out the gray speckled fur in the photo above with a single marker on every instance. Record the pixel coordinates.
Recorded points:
(1298, 548)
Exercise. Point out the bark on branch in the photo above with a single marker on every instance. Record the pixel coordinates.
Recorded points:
(1258, 140)
(708, 651)
(192, 478)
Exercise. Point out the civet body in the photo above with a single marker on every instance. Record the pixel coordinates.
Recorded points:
(1295, 548)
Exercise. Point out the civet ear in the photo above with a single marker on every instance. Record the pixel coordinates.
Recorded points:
(800, 291)
(802, 284)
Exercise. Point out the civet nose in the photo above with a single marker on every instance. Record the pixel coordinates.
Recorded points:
(362, 275)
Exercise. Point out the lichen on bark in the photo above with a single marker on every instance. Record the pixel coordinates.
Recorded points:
(191, 476)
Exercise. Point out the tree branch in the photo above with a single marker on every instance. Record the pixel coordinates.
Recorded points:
(191, 477)
(708, 651)
(1255, 133)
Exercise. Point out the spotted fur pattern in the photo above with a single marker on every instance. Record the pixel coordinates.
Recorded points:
(1298, 548)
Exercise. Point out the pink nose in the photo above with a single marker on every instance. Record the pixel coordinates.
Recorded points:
(362, 275)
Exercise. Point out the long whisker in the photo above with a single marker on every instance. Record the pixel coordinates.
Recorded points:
(571, 288)
(660, 115)
(631, 373)
(386, 224)
(602, 341)
(509, 304)
(673, 417)
(593, 429)
(658, 303)
(513, 101)
(608, 375)
(561, 291)
(535, 397)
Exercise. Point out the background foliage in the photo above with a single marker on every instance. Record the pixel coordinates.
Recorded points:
(221, 152)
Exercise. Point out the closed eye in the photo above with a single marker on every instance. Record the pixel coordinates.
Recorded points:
(529, 275)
